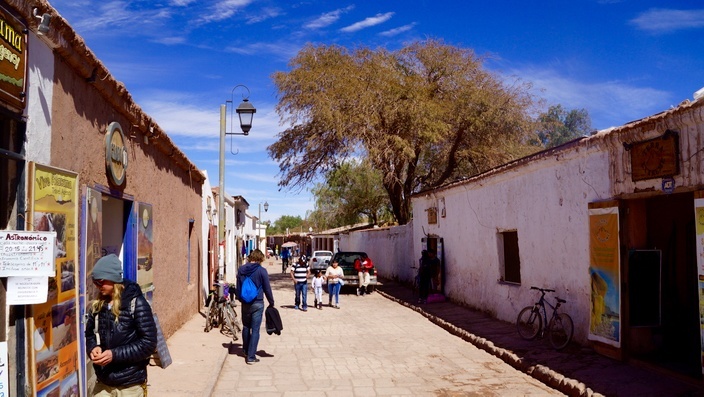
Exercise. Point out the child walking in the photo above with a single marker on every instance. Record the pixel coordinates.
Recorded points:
(317, 285)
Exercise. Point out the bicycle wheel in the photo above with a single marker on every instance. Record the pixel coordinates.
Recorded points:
(211, 313)
(230, 321)
(561, 330)
(529, 323)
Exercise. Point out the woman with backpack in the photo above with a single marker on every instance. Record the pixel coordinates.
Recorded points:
(253, 310)
(120, 332)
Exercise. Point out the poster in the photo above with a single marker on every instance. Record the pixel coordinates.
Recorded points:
(145, 244)
(53, 330)
(605, 277)
(699, 225)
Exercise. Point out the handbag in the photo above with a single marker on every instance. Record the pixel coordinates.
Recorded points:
(341, 282)
(161, 357)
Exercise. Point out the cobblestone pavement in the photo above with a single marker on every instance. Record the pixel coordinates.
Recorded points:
(385, 344)
(576, 370)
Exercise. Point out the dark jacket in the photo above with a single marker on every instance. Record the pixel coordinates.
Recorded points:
(273, 321)
(132, 339)
(259, 277)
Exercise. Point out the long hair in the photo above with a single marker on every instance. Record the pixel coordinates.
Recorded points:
(116, 299)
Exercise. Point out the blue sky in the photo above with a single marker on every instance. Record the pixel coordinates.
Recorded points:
(181, 59)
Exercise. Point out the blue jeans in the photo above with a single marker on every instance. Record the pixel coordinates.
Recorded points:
(302, 290)
(334, 290)
(251, 324)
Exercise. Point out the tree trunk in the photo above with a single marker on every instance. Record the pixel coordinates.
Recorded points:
(400, 202)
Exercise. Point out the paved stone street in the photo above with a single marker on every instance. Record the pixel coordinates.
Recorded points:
(385, 344)
(371, 346)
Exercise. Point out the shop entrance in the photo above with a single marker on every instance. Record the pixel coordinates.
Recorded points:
(660, 284)
(107, 232)
(435, 243)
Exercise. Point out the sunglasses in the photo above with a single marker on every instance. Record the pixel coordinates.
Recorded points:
(100, 283)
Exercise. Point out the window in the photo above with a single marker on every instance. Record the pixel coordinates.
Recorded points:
(508, 249)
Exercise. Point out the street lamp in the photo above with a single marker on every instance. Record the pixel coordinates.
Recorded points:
(246, 113)
(259, 223)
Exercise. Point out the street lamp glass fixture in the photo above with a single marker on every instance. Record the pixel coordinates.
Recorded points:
(266, 206)
(246, 112)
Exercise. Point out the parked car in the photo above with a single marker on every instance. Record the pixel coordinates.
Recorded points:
(346, 261)
(319, 261)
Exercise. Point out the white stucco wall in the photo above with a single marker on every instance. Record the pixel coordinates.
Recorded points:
(545, 201)
(40, 90)
(390, 249)
(205, 228)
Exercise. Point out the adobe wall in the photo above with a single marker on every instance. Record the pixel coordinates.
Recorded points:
(79, 120)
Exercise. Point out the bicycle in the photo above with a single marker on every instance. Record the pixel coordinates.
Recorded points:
(220, 311)
(530, 321)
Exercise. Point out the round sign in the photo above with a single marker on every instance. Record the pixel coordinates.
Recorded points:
(145, 218)
(116, 153)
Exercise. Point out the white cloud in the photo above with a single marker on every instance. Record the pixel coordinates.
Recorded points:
(284, 51)
(399, 30)
(224, 9)
(179, 117)
(609, 103)
(368, 22)
(181, 3)
(115, 14)
(264, 14)
(659, 20)
(327, 19)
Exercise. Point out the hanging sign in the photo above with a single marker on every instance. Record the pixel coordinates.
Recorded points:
(116, 154)
(27, 253)
(13, 59)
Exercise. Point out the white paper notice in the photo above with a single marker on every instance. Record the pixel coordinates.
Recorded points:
(27, 290)
(25, 253)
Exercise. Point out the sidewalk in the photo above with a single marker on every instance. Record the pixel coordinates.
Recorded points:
(575, 371)
(198, 357)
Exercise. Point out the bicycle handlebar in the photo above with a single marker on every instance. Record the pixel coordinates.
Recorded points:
(543, 289)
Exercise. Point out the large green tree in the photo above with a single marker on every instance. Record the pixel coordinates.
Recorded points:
(422, 116)
(351, 193)
(558, 125)
(286, 223)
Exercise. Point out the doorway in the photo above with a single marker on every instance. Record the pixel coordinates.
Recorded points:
(435, 243)
(661, 284)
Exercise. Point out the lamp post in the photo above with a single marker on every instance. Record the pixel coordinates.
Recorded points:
(245, 111)
(259, 223)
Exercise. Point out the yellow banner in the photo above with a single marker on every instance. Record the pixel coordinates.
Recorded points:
(54, 331)
(604, 272)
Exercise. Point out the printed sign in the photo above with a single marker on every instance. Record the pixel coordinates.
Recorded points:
(27, 253)
(27, 290)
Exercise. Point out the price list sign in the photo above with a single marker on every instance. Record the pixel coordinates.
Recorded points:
(27, 253)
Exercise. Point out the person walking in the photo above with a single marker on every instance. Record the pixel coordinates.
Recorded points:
(334, 275)
(429, 268)
(252, 312)
(299, 274)
(317, 284)
(120, 332)
(285, 254)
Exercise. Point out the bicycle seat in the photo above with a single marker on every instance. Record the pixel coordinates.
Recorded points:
(561, 300)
